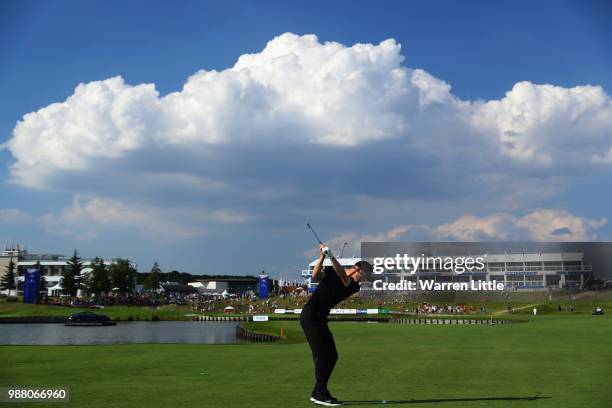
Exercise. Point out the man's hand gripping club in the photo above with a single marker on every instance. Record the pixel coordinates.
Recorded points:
(326, 252)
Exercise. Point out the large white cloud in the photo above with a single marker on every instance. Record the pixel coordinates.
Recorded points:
(304, 119)
(298, 90)
(544, 125)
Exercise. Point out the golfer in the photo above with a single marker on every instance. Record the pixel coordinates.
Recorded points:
(335, 285)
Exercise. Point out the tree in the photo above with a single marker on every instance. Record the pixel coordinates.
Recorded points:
(8, 280)
(154, 278)
(122, 275)
(71, 275)
(98, 280)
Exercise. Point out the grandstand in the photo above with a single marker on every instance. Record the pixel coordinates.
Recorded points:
(523, 271)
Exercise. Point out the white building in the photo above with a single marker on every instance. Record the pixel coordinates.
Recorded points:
(52, 266)
(238, 285)
(524, 271)
(210, 286)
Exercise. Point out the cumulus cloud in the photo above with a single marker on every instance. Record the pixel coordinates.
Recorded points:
(300, 119)
(87, 215)
(353, 240)
(473, 228)
(299, 90)
(539, 225)
(559, 225)
(547, 125)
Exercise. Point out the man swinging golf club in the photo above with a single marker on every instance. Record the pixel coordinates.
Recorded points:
(335, 285)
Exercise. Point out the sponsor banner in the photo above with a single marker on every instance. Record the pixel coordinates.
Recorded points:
(260, 318)
(31, 286)
(334, 311)
(263, 286)
(288, 311)
(343, 311)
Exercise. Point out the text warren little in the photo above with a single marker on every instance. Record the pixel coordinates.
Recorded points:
(437, 286)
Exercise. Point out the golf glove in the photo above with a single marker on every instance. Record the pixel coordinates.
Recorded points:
(327, 252)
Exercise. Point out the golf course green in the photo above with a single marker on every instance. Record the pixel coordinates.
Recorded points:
(550, 361)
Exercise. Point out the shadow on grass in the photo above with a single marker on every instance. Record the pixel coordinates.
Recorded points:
(438, 400)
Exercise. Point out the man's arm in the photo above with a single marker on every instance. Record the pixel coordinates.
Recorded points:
(317, 272)
(340, 271)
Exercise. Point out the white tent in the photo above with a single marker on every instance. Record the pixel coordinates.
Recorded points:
(54, 290)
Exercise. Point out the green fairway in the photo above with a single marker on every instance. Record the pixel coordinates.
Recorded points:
(563, 360)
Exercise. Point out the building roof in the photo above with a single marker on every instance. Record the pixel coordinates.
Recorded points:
(236, 279)
(342, 261)
(536, 257)
(84, 262)
(522, 257)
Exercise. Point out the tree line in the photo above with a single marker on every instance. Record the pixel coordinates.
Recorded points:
(118, 277)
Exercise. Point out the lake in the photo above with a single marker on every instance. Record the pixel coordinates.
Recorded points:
(123, 333)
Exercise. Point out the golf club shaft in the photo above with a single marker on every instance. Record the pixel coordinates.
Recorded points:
(313, 231)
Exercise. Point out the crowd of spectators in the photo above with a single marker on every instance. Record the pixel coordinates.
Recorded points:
(249, 303)
(427, 309)
(107, 300)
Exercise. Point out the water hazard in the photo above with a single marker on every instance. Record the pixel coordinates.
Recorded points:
(123, 333)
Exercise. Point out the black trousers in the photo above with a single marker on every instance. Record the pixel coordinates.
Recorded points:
(324, 353)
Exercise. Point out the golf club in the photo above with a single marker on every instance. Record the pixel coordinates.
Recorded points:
(326, 250)
(313, 231)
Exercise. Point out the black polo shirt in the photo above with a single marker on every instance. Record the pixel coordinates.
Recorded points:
(330, 291)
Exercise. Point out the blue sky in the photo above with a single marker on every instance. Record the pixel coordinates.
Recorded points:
(252, 196)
